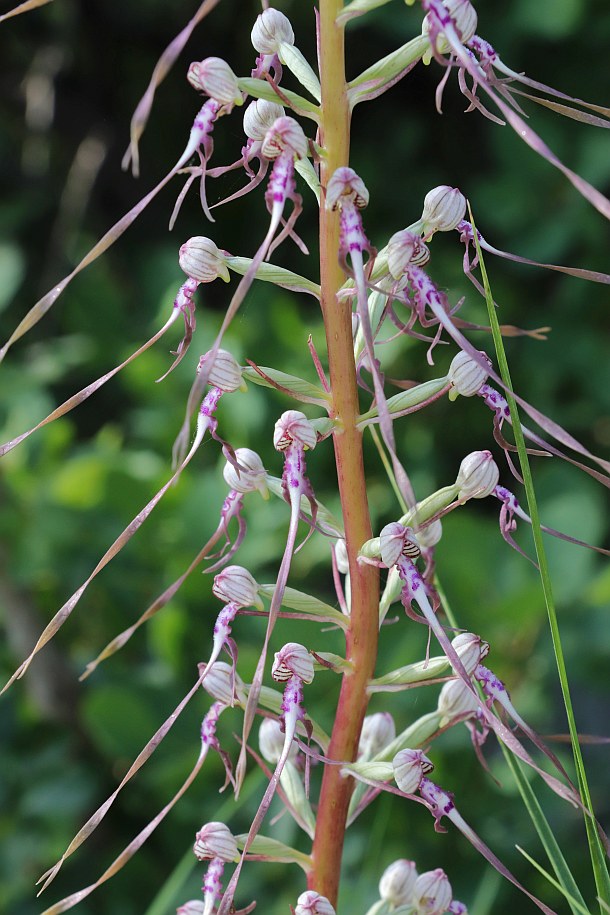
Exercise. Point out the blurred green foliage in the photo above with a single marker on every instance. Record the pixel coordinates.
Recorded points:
(72, 75)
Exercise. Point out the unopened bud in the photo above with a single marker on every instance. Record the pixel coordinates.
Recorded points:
(225, 372)
(430, 534)
(248, 475)
(341, 556)
(478, 476)
(285, 134)
(378, 731)
(346, 186)
(455, 698)
(470, 649)
(216, 78)
(215, 840)
(464, 18)
(444, 207)
(409, 767)
(467, 376)
(235, 585)
(432, 893)
(405, 248)
(397, 882)
(202, 260)
(271, 741)
(259, 116)
(312, 903)
(293, 660)
(219, 683)
(396, 540)
(270, 30)
(293, 426)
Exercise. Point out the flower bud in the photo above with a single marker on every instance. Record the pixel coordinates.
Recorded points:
(457, 908)
(444, 207)
(430, 534)
(378, 731)
(397, 882)
(466, 375)
(285, 134)
(341, 556)
(293, 426)
(235, 585)
(293, 660)
(259, 116)
(432, 893)
(409, 767)
(251, 474)
(192, 907)
(455, 699)
(478, 476)
(470, 649)
(202, 260)
(396, 540)
(270, 30)
(219, 683)
(225, 372)
(346, 186)
(216, 78)
(215, 840)
(271, 741)
(464, 18)
(311, 903)
(406, 248)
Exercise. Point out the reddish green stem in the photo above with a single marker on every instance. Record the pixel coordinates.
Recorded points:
(361, 648)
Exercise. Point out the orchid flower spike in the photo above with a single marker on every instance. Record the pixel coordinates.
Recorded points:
(292, 665)
(292, 436)
(347, 193)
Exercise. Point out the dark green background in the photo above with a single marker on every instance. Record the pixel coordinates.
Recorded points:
(70, 489)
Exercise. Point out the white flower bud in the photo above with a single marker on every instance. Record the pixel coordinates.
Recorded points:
(225, 373)
(470, 649)
(432, 893)
(406, 248)
(409, 767)
(312, 903)
(293, 426)
(285, 134)
(455, 699)
(235, 585)
(429, 535)
(215, 840)
(464, 18)
(259, 117)
(202, 260)
(293, 660)
(216, 78)
(346, 186)
(251, 474)
(271, 741)
(444, 207)
(396, 540)
(378, 731)
(478, 476)
(219, 683)
(341, 556)
(397, 882)
(192, 907)
(270, 30)
(466, 375)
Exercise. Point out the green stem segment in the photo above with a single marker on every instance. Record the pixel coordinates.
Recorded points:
(361, 648)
